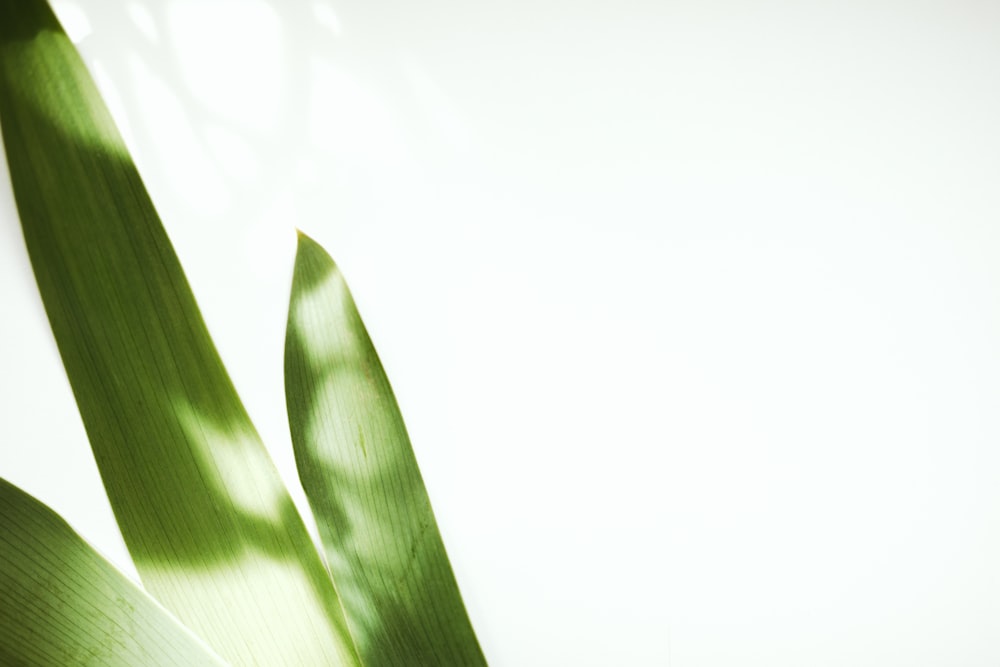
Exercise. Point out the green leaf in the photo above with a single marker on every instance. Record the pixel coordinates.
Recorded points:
(211, 528)
(358, 469)
(64, 604)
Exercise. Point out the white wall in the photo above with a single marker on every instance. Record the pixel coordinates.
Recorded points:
(693, 308)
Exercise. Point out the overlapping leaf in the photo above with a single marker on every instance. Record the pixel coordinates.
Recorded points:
(358, 469)
(213, 532)
(63, 604)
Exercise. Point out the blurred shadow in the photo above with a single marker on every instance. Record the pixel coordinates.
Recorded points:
(283, 142)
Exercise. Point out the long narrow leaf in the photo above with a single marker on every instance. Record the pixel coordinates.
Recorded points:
(64, 604)
(212, 530)
(359, 472)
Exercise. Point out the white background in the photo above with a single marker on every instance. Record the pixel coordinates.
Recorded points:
(692, 308)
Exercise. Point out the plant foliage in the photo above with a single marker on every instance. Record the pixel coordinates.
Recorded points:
(213, 532)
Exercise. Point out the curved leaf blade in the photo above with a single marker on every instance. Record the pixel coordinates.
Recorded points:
(211, 528)
(358, 469)
(64, 604)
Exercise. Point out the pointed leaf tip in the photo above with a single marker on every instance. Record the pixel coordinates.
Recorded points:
(359, 472)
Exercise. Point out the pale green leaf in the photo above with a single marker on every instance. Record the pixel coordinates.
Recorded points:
(359, 472)
(62, 603)
(212, 530)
